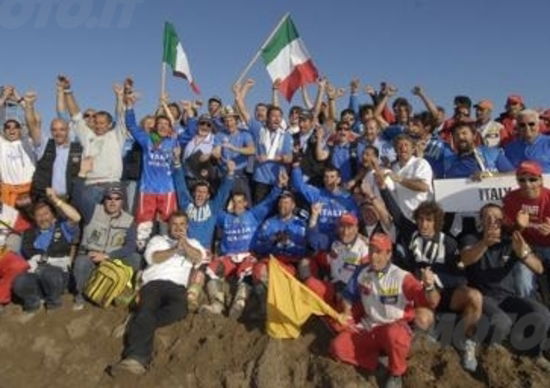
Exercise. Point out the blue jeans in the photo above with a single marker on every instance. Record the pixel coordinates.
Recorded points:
(47, 282)
(84, 266)
(525, 278)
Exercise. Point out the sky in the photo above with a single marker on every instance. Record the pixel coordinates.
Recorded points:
(481, 48)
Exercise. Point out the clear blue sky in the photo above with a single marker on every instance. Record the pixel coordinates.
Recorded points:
(482, 48)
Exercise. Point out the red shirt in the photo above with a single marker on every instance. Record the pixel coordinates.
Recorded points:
(538, 209)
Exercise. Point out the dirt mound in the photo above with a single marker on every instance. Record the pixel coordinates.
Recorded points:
(64, 348)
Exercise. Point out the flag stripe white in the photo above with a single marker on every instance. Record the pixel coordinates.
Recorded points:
(292, 55)
(182, 64)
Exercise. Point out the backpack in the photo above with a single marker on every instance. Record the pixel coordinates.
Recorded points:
(110, 279)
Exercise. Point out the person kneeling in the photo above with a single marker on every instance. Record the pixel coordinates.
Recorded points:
(388, 295)
(162, 298)
(48, 248)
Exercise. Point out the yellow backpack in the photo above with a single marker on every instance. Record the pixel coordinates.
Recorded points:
(109, 280)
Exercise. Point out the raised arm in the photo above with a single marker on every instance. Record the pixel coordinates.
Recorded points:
(386, 93)
(311, 193)
(262, 209)
(240, 97)
(72, 215)
(60, 105)
(321, 90)
(225, 188)
(31, 118)
(72, 105)
(353, 99)
(182, 191)
(430, 105)
(275, 92)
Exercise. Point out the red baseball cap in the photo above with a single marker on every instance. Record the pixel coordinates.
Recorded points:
(348, 219)
(514, 99)
(381, 241)
(529, 167)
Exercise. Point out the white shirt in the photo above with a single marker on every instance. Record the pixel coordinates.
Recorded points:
(176, 269)
(105, 149)
(16, 164)
(408, 200)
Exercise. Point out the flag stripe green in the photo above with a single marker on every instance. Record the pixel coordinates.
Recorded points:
(170, 45)
(284, 35)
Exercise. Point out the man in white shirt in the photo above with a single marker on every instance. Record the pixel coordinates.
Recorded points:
(163, 298)
(103, 141)
(412, 176)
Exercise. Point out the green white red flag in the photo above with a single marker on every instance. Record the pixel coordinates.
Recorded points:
(175, 56)
(287, 59)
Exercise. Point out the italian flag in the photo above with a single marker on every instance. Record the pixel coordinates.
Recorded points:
(287, 59)
(175, 56)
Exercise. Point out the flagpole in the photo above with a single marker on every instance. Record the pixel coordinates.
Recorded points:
(255, 58)
(163, 80)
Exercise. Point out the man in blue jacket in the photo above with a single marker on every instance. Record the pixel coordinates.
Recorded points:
(334, 199)
(239, 228)
(284, 237)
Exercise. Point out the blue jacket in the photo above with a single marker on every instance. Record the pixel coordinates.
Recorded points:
(463, 166)
(240, 230)
(280, 237)
(334, 204)
(202, 220)
(157, 159)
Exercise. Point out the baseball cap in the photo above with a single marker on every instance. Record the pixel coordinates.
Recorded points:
(218, 99)
(348, 219)
(205, 117)
(529, 167)
(381, 241)
(114, 189)
(484, 104)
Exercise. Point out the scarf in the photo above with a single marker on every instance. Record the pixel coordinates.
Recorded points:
(271, 141)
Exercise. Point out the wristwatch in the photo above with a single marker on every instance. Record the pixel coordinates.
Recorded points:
(525, 253)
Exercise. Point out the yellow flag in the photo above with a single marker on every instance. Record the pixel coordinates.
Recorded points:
(290, 303)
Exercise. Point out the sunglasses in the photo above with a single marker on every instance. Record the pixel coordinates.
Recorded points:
(525, 180)
(113, 198)
(86, 115)
(205, 123)
(525, 125)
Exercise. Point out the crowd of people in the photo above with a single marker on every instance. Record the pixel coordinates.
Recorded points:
(194, 198)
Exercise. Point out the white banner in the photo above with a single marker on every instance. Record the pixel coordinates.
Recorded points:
(464, 195)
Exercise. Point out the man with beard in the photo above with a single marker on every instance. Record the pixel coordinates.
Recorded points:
(472, 161)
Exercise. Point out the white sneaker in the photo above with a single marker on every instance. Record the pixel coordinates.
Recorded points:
(127, 365)
(469, 360)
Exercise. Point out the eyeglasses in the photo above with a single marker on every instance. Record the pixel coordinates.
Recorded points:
(87, 115)
(531, 124)
(205, 123)
(342, 129)
(525, 180)
(113, 198)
